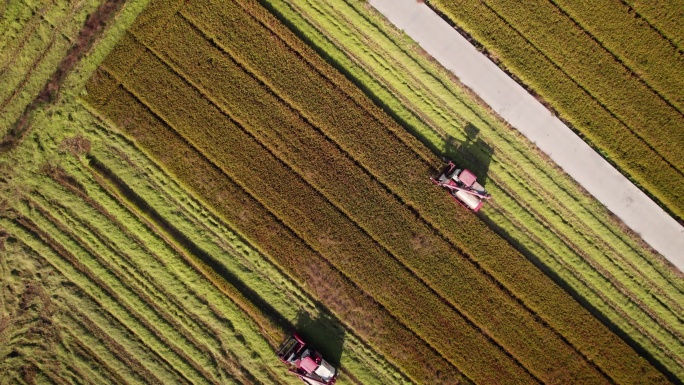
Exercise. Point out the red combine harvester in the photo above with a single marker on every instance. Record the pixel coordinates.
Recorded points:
(305, 362)
(462, 186)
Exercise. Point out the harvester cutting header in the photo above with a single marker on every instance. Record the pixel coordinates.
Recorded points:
(462, 186)
(305, 362)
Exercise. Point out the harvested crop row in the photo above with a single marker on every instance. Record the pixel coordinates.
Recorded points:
(172, 280)
(17, 24)
(301, 208)
(646, 52)
(173, 283)
(26, 71)
(373, 208)
(105, 349)
(363, 315)
(159, 366)
(178, 348)
(585, 113)
(341, 125)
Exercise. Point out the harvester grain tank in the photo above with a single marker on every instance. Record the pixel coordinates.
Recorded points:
(462, 186)
(305, 362)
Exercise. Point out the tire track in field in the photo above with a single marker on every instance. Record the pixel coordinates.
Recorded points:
(163, 316)
(140, 279)
(73, 261)
(346, 281)
(379, 243)
(28, 226)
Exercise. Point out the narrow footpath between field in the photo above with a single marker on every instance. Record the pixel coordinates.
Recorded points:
(522, 111)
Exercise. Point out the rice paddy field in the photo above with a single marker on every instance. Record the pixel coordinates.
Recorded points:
(611, 69)
(190, 182)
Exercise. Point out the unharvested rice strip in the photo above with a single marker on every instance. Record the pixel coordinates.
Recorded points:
(143, 297)
(648, 116)
(25, 225)
(650, 57)
(150, 22)
(252, 157)
(282, 174)
(57, 247)
(665, 16)
(218, 233)
(270, 26)
(663, 295)
(597, 124)
(279, 61)
(311, 150)
(182, 325)
(343, 297)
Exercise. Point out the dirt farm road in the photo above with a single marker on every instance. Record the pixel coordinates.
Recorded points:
(522, 111)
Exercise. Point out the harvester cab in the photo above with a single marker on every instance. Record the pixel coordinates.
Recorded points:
(462, 186)
(305, 362)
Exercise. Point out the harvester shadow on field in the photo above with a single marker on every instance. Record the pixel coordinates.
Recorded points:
(323, 332)
(473, 153)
